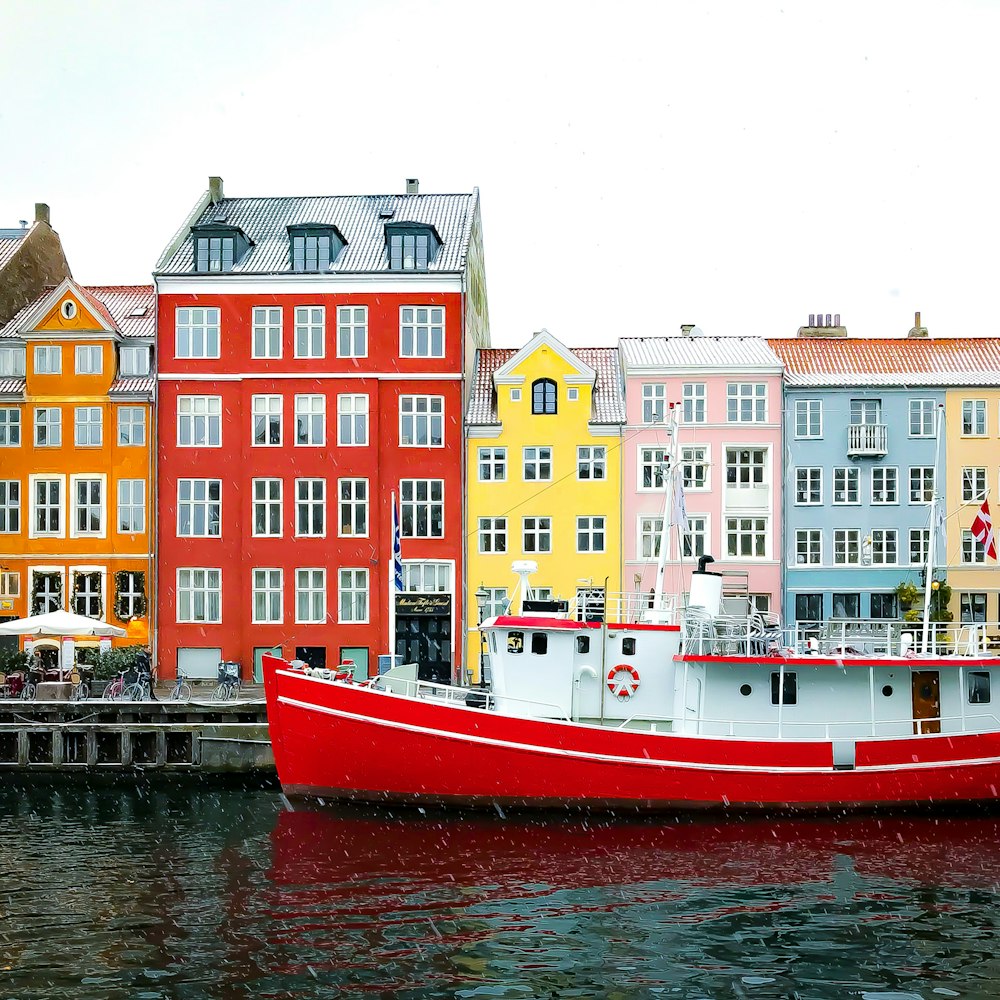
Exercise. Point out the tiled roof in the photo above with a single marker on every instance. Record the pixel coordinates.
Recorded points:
(12, 384)
(698, 352)
(904, 362)
(609, 400)
(359, 218)
(8, 247)
(133, 385)
(115, 303)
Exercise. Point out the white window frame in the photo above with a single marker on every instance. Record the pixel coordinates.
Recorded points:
(758, 531)
(310, 587)
(267, 322)
(352, 417)
(808, 484)
(490, 530)
(267, 586)
(419, 413)
(694, 541)
(808, 547)
(847, 547)
(352, 501)
(195, 410)
(309, 407)
(59, 506)
(536, 534)
(974, 414)
(10, 506)
(694, 402)
(922, 536)
(884, 543)
(10, 583)
(532, 457)
(417, 321)
(809, 411)
(310, 497)
(195, 497)
(923, 476)
(101, 506)
(199, 582)
(591, 528)
(351, 326)
(53, 428)
(12, 362)
(133, 361)
(48, 359)
(696, 457)
(921, 415)
(591, 458)
(126, 502)
(739, 395)
(648, 460)
(495, 460)
(654, 402)
(649, 534)
(10, 427)
(749, 475)
(974, 483)
(197, 326)
(85, 420)
(310, 323)
(352, 594)
(973, 551)
(413, 505)
(850, 474)
(268, 503)
(132, 426)
(268, 410)
(88, 359)
(889, 475)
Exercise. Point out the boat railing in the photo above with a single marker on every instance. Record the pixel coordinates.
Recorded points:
(848, 728)
(623, 607)
(471, 697)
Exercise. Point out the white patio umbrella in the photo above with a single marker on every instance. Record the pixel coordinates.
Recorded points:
(61, 623)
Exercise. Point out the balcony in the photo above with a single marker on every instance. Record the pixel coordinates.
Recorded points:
(867, 440)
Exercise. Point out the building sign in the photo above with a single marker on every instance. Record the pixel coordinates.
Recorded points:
(6, 605)
(423, 604)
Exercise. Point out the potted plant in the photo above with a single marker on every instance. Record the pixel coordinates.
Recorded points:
(908, 594)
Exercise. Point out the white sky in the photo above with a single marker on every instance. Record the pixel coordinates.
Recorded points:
(735, 165)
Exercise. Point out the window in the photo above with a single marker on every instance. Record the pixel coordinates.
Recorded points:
(353, 506)
(921, 483)
(885, 547)
(920, 540)
(809, 607)
(515, 395)
(310, 331)
(539, 643)
(199, 421)
(10, 584)
(12, 362)
(885, 485)
(216, 250)
(979, 687)
(196, 333)
(199, 508)
(421, 421)
(537, 534)
(652, 465)
(515, 642)
(590, 462)
(131, 426)
(310, 420)
(694, 467)
(846, 606)
(543, 396)
(267, 596)
(267, 508)
(746, 402)
(745, 467)
(131, 506)
(89, 359)
(353, 595)
(48, 360)
(973, 483)
(654, 397)
(267, 332)
(492, 465)
(310, 596)
(133, 361)
(583, 643)
(352, 331)
(590, 534)
(784, 690)
(973, 607)
(573, 394)
(411, 249)
(48, 426)
(47, 592)
(922, 417)
(88, 427)
(495, 603)
(422, 508)
(808, 485)
(847, 546)
(973, 417)
(10, 427)
(866, 411)
(88, 506)
(846, 485)
(746, 537)
(492, 534)
(421, 332)
(313, 250)
(310, 507)
(87, 594)
(266, 416)
(760, 603)
(694, 541)
(972, 551)
(352, 420)
(693, 396)
(884, 606)
(199, 596)
(427, 577)
(10, 506)
(537, 464)
(808, 418)
(47, 515)
(808, 547)
(650, 535)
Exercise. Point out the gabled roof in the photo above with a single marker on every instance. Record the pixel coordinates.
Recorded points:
(360, 218)
(9, 246)
(724, 353)
(114, 304)
(822, 361)
(608, 400)
(544, 339)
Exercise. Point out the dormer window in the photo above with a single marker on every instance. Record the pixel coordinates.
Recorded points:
(543, 396)
(412, 247)
(217, 247)
(314, 248)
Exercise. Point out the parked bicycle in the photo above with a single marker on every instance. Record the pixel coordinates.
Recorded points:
(228, 687)
(81, 689)
(115, 691)
(32, 679)
(181, 690)
(138, 690)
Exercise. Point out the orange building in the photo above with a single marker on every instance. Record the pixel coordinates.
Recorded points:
(76, 456)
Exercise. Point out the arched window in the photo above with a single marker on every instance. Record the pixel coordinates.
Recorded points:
(543, 396)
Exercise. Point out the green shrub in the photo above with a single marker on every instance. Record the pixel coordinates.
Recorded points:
(11, 660)
(115, 660)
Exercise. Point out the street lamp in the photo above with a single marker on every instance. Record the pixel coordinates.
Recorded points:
(482, 596)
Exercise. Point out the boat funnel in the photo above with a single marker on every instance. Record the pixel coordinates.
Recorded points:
(706, 588)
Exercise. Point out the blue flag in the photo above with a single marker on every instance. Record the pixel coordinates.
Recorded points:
(397, 550)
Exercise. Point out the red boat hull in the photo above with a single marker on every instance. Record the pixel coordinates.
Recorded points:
(348, 741)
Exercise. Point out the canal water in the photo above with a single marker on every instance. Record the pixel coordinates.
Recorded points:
(196, 891)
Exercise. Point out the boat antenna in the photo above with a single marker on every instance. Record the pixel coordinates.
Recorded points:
(669, 460)
(933, 533)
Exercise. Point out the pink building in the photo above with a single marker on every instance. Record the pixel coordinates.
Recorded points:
(729, 391)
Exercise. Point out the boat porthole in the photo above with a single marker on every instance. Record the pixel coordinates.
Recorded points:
(745, 690)
(887, 690)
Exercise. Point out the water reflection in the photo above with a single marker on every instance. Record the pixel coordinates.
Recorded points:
(194, 892)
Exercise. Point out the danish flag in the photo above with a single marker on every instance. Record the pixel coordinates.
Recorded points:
(982, 530)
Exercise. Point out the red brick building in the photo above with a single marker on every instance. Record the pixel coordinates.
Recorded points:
(313, 355)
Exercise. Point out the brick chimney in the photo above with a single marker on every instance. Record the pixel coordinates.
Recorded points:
(823, 326)
(412, 185)
(918, 330)
(686, 329)
(215, 194)
(42, 212)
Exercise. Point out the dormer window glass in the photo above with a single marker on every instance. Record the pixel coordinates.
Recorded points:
(411, 247)
(12, 361)
(543, 396)
(218, 248)
(314, 248)
(134, 361)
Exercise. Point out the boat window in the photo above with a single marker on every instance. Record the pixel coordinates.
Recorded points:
(745, 690)
(515, 642)
(583, 643)
(628, 647)
(979, 687)
(887, 690)
(539, 643)
(789, 693)
(493, 641)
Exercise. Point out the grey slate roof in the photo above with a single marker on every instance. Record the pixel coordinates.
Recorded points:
(11, 384)
(115, 303)
(608, 399)
(265, 222)
(140, 385)
(698, 352)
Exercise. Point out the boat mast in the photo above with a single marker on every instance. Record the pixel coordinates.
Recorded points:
(932, 534)
(668, 500)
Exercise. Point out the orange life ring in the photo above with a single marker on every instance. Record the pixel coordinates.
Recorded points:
(625, 688)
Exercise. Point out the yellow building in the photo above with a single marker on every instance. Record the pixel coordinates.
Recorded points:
(76, 502)
(544, 482)
(972, 448)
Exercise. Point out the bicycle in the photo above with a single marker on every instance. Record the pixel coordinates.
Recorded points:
(115, 691)
(81, 689)
(228, 687)
(137, 691)
(181, 690)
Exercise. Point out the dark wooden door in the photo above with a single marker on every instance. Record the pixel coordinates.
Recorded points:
(926, 701)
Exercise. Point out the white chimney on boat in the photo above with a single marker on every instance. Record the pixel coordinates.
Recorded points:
(706, 588)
